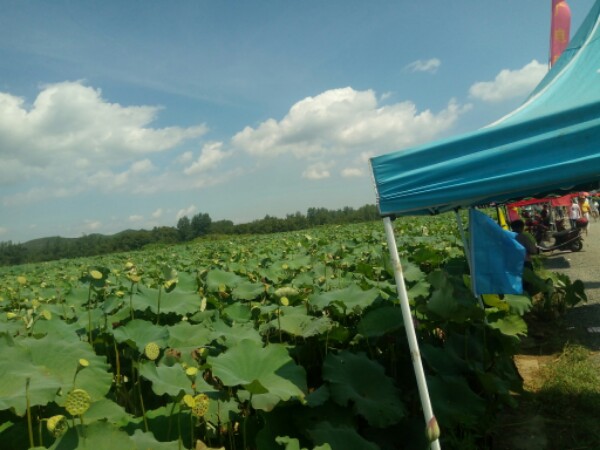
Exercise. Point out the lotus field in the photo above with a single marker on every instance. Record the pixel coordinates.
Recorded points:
(283, 341)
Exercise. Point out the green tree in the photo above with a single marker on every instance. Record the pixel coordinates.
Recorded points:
(200, 224)
(184, 229)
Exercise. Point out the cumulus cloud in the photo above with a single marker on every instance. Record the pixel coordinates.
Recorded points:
(430, 65)
(189, 211)
(91, 225)
(350, 172)
(135, 218)
(70, 134)
(157, 214)
(341, 121)
(318, 171)
(211, 155)
(509, 83)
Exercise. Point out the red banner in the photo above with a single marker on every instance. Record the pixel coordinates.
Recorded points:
(560, 28)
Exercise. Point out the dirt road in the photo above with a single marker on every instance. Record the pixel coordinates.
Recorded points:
(585, 266)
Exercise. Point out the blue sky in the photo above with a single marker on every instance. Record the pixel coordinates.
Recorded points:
(118, 115)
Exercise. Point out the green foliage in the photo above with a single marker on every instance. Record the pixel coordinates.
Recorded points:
(297, 339)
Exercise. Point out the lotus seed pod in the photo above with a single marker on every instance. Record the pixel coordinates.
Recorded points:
(152, 351)
(11, 315)
(201, 405)
(284, 301)
(96, 274)
(46, 314)
(286, 291)
(78, 401)
(191, 371)
(83, 362)
(57, 425)
(22, 280)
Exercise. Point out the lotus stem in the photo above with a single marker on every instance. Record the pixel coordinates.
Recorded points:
(139, 389)
(29, 421)
(131, 301)
(158, 306)
(179, 440)
(90, 315)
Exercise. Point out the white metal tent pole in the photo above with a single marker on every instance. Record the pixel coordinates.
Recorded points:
(410, 328)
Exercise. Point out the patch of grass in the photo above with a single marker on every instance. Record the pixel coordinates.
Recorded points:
(569, 399)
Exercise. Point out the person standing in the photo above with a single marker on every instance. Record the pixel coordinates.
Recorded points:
(574, 214)
(518, 226)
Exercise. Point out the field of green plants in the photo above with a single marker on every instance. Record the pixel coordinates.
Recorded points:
(285, 341)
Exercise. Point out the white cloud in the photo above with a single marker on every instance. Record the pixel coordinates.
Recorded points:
(430, 65)
(185, 158)
(189, 211)
(92, 225)
(157, 214)
(70, 134)
(509, 83)
(135, 218)
(3, 230)
(318, 171)
(345, 122)
(350, 172)
(210, 156)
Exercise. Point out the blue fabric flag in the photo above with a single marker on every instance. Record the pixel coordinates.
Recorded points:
(497, 259)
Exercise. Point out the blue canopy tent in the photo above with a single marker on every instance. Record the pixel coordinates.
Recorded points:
(549, 145)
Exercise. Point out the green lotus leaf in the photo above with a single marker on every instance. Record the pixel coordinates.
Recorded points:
(318, 397)
(185, 334)
(231, 336)
(220, 409)
(217, 278)
(339, 437)
(43, 386)
(354, 378)
(50, 364)
(138, 333)
(454, 402)
(105, 436)
(238, 312)
(419, 290)
(294, 444)
(380, 321)
(352, 297)
(411, 272)
(508, 324)
(77, 295)
(296, 322)
(449, 302)
(444, 359)
(178, 301)
(519, 304)
(246, 290)
(165, 379)
(271, 366)
(146, 440)
(106, 409)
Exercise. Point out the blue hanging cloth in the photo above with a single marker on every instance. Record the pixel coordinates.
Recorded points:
(497, 259)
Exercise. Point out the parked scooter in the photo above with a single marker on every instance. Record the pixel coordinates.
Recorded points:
(566, 239)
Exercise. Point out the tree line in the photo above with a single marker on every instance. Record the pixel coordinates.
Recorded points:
(187, 229)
